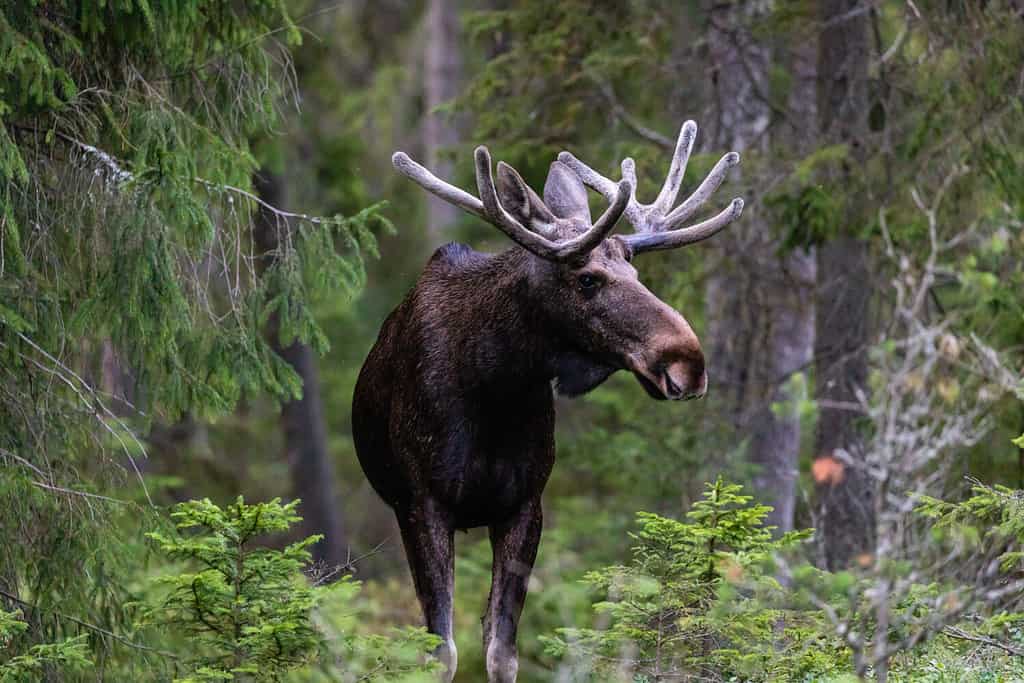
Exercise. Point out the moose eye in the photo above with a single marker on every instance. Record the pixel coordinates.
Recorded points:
(588, 282)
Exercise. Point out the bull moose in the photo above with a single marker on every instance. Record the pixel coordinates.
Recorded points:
(454, 415)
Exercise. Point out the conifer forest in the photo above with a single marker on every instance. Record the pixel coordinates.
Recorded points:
(335, 338)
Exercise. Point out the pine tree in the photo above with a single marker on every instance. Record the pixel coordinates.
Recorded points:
(129, 291)
(665, 613)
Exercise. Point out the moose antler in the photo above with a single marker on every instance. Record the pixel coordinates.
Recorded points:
(657, 225)
(491, 210)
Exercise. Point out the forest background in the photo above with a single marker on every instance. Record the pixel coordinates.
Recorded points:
(200, 234)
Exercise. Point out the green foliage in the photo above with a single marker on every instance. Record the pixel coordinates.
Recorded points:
(548, 88)
(807, 208)
(674, 610)
(807, 218)
(540, 54)
(242, 610)
(68, 655)
(356, 652)
(991, 518)
(133, 285)
(948, 660)
(929, 610)
(247, 609)
(703, 597)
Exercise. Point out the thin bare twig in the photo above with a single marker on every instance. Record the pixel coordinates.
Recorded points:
(960, 634)
(629, 120)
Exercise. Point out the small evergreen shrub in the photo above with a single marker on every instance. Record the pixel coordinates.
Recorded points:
(240, 610)
(693, 600)
(246, 608)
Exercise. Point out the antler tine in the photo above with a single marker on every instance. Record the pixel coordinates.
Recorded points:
(707, 188)
(619, 204)
(605, 187)
(684, 145)
(589, 176)
(541, 246)
(489, 208)
(656, 225)
(434, 185)
(672, 239)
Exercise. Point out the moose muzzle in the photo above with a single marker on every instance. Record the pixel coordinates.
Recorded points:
(675, 380)
(671, 366)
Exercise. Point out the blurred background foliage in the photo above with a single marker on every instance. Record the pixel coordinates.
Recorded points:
(199, 219)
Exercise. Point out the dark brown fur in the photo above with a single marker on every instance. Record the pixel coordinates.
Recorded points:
(453, 415)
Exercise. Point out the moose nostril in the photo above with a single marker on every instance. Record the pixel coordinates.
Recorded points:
(671, 388)
(684, 379)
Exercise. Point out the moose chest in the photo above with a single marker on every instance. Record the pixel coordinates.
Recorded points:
(498, 456)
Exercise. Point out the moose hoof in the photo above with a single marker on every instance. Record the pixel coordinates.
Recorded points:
(502, 663)
(449, 656)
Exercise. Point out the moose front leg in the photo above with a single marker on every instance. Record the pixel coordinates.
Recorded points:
(514, 544)
(428, 536)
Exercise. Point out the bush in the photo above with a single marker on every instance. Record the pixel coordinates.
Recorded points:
(241, 610)
(676, 611)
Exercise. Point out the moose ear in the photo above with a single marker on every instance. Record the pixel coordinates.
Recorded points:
(518, 199)
(565, 194)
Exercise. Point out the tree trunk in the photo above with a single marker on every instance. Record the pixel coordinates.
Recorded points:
(739, 67)
(760, 310)
(443, 71)
(844, 507)
(302, 421)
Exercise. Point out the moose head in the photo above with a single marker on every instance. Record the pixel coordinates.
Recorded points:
(582, 279)
(453, 414)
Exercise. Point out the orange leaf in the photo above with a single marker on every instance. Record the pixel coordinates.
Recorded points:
(827, 470)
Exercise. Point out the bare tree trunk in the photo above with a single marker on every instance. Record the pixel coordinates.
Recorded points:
(443, 72)
(740, 68)
(844, 509)
(302, 421)
(760, 310)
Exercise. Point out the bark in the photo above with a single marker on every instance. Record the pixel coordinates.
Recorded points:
(760, 309)
(740, 66)
(443, 73)
(302, 420)
(844, 509)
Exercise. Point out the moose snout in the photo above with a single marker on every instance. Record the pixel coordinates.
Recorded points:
(676, 360)
(667, 358)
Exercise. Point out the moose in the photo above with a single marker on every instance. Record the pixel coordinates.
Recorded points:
(453, 415)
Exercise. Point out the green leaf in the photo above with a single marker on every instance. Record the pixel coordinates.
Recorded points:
(12, 319)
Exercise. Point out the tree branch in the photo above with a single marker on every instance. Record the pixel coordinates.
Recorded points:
(960, 634)
(91, 627)
(629, 120)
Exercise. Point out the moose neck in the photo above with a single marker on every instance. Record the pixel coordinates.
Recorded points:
(505, 343)
(508, 343)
